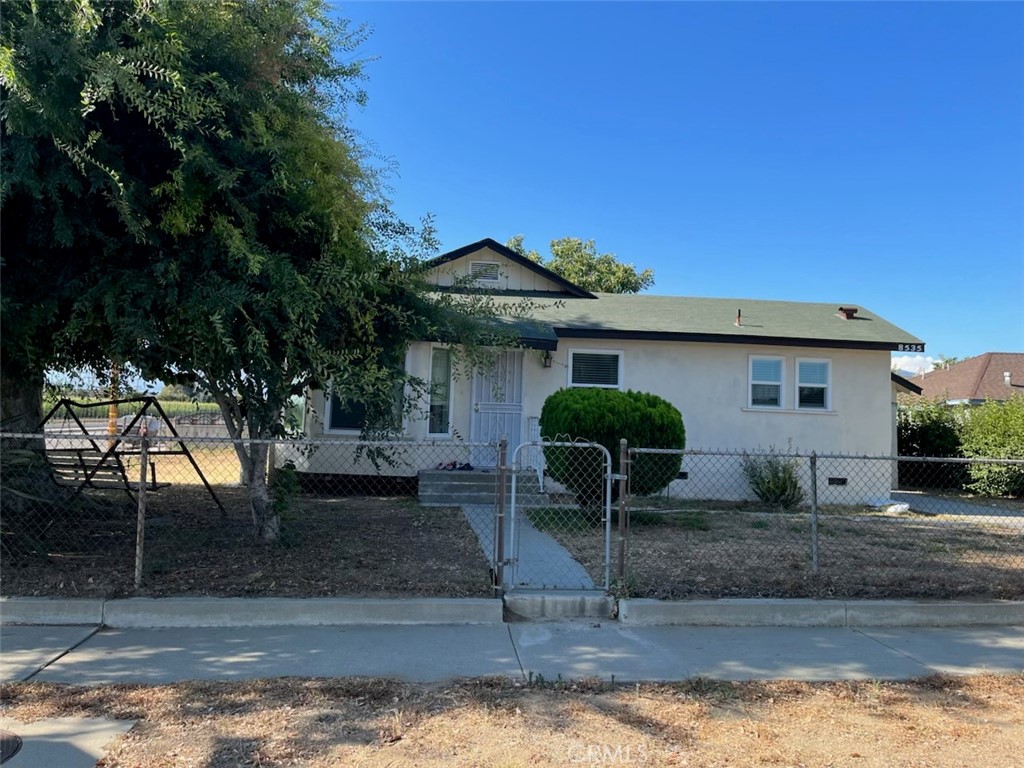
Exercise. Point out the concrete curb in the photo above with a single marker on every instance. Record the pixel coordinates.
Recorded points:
(819, 613)
(53, 611)
(573, 605)
(142, 612)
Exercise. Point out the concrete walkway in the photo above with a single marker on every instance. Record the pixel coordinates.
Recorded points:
(601, 649)
(542, 563)
(931, 504)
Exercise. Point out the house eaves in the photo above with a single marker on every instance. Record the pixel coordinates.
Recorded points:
(723, 321)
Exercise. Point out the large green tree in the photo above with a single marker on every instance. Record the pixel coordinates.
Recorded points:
(181, 195)
(579, 262)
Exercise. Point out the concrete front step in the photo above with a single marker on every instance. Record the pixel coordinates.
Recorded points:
(535, 604)
(442, 499)
(438, 487)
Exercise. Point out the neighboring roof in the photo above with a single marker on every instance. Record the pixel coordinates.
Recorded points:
(571, 288)
(906, 384)
(674, 318)
(976, 379)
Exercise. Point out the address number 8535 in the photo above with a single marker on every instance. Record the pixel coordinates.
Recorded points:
(910, 348)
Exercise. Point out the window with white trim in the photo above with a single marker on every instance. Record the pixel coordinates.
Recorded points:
(351, 416)
(595, 369)
(439, 421)
(813, 384)
(345, 415)
(484, 270)
(765, 382)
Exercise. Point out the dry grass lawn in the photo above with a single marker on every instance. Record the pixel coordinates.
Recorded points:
(679, 549)
(937, 722)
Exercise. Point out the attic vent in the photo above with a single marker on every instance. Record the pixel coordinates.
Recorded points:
(847, 313)
(484, 270)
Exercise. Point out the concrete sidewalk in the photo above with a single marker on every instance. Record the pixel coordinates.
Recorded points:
(570, 649)
(88, 655)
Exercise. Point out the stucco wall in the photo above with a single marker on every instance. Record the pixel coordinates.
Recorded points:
(708, 383)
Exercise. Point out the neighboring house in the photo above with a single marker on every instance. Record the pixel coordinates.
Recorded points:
(746, 374)
(991, 376)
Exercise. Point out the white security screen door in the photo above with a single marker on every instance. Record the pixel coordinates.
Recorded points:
(498, 405)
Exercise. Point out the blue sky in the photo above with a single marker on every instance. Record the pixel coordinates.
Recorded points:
(867, 153)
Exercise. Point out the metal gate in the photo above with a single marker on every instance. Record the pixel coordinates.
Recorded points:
(558, 533)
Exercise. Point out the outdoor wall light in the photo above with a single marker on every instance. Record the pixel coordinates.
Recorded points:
(547, 358)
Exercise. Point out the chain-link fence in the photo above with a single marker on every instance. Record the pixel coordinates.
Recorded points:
(426, 518)
(84, 514)
(808, 525)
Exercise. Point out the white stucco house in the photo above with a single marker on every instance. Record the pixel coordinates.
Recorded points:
(746, 374)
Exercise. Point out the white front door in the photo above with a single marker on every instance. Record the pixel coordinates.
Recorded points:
(498, 405)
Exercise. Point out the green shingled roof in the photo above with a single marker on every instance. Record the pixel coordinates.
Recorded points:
(702, 319)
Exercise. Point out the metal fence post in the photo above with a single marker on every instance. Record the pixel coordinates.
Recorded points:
(814, 512)
(623, 486)
(499, 534)
(140, 527)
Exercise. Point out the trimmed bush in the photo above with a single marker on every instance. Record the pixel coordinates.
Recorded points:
(606, 416)
(774, 480)
(995, 430)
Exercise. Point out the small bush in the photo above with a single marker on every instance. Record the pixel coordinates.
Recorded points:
(774, 480)
(995, 430)
(606, 416)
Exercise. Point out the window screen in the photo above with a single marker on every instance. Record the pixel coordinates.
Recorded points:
(766, 382)
(594, 369)
(812, 383)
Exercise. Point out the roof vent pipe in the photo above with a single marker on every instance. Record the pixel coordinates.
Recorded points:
(739, 319)
(1007, 378)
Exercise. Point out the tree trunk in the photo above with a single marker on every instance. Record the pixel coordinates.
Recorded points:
(21, 406)
(266, 521)
(252, 462)
(29, 497)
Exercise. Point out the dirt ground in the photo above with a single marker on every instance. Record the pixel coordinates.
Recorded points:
(679, 549)
(937, 722)
(331, 545)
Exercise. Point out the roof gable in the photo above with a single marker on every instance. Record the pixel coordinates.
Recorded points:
(503, 251)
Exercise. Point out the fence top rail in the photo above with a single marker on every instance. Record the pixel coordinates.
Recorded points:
(563, 444)
(816, 455)
(302, 441)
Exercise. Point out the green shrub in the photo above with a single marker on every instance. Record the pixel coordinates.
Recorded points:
(774, 480)
(995, 430)
(929, 428)
(606, 416)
